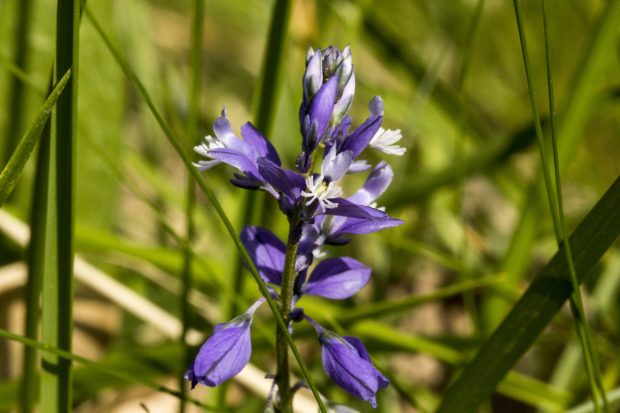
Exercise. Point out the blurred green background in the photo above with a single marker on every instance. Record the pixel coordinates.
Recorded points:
(469, 188)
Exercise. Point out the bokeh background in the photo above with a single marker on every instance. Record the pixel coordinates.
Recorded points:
(469, 189)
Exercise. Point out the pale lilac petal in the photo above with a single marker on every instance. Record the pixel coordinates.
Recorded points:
(337, 278)
(335, 165)
(267, 252)
(375, 185)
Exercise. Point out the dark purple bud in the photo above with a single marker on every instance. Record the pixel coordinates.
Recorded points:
(266, 251)
(337, 278)
(225, 353)
(317, 119)
(346, 362)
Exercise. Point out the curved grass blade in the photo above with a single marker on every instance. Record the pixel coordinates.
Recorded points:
(114, 372)
(554, 199)
(12, 171)
(536, 308)
(206, 189)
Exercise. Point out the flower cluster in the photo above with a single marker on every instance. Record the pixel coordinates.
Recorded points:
(312, 199)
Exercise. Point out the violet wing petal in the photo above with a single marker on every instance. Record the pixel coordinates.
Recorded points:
(237, 159)
(338, 278)
(347, 369)
(347, 208)
(376, 184)
(222, 356)
(361, 226)
(286, 181)
(359, 139)
(261, 145)
(266, 251)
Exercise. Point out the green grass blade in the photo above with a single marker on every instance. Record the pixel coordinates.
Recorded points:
(176, 144)
(13, 170)
(613, 397)
(536, 308)
(114, 372)
(554, 199)
(194, 93)
(16, 93)
(56, 379)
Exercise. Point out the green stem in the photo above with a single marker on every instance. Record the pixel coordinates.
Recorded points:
(194, 89)
(286, 297)
(583, 329)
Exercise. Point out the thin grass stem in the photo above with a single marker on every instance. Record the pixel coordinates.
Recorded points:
(579, 311)
(554, 199)
(194, 93)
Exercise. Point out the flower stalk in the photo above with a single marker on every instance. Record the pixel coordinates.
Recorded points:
(289, 274)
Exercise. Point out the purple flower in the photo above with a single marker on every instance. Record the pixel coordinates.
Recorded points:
(225, 353)
(242, 154)
(348, 364)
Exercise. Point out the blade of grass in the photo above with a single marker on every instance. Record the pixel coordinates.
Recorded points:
(554, 199)
(114, 372)
(211, 196)
(12, 171)
(613, 397)
(57, 300)
(16, 93)
(194, 93)
(536, 308)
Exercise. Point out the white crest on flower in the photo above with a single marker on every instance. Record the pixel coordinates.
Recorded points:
(385, 139)
(318, 190)
(203, 149)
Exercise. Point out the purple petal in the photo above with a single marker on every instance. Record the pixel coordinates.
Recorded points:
(365, 226)
(338, 278)
(261, 145)
(286, 181)
(238, 160)
(375, 106)
(361, 350)
(224, 354)
(347, 208)
(267, 252)
(344, 365)
(375, 185)
(359, 139)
